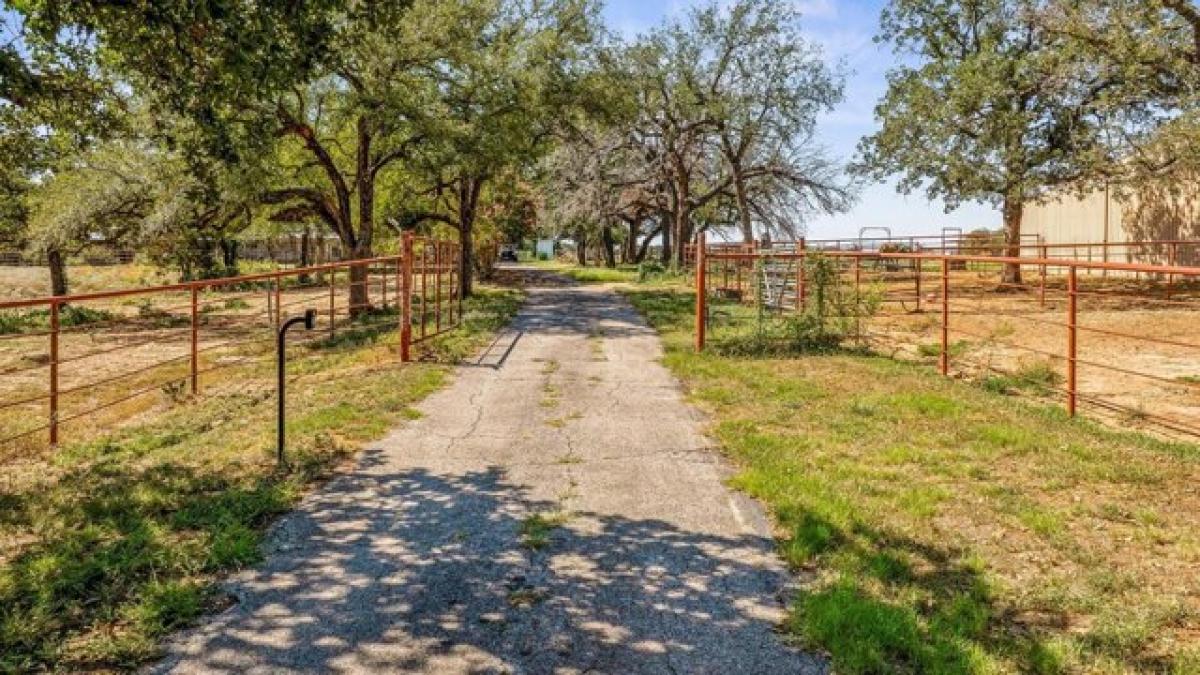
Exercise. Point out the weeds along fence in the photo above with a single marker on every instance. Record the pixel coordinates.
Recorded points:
(72, 367)
(1117, 340)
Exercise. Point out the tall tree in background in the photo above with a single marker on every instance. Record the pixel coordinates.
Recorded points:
(135, 193)
(512, 84)
(54, 102)
(1148, 53)
(596, 179)
(990, 109)
(244, 74)
(768, 85)
(725, 103)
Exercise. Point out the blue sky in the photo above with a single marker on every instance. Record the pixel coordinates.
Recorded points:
(844, 28)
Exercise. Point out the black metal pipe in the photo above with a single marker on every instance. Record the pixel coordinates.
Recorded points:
(309, 320)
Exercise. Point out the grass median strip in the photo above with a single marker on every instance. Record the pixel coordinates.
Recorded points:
(939, 526)
(107, 546)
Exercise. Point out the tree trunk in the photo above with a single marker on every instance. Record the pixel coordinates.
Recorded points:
(306, 254)
(206, 260)
(666, 238)
(360, 292)
(609, 248)
(581, 243)
(645, 246)
(1013, 210)
(630, 250)
(469, 188)
(466, 260)
(58, 272)
(743, 207)
(229, 256)
(681, 234)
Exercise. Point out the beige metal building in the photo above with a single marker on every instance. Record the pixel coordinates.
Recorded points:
(1147, 217)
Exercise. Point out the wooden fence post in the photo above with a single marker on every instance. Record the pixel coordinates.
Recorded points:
(701, 290)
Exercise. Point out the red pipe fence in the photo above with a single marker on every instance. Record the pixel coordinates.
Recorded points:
(85, 358)
(1118, 338)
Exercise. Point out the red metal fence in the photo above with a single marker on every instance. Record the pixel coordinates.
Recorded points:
(1154, 252)
(95, 361)
(1116, 338)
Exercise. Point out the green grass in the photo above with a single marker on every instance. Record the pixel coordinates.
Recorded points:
(1038, 377)
(16, 321)
(934, 349)
(537, 529)
(942, 527)
(593, 275)
(111, 544)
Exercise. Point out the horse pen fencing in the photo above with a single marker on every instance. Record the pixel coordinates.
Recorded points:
(1115, 339)
(1182, 252)
(73, 367)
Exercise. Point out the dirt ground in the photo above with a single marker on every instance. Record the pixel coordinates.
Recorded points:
(34, 282)
(1138, 354)
(135, 359)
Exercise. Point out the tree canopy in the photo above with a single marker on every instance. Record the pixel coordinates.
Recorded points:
(482, 119)
(715, 112)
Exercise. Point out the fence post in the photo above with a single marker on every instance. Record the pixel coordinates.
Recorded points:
(405, 283)
(1042, 277)
(944, 361)
(195, 354)
(437, 284)
(804, 274)
(857, 275)
(917, 262)
(1072, 339)
(54, 325)
(1171, 258)
(800, 258)
(424, 281)
(701, 290)
(454, 270)
(458, 287)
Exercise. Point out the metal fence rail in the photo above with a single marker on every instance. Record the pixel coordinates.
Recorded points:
(1185, 252)
(95, 360)
(1115, 338)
